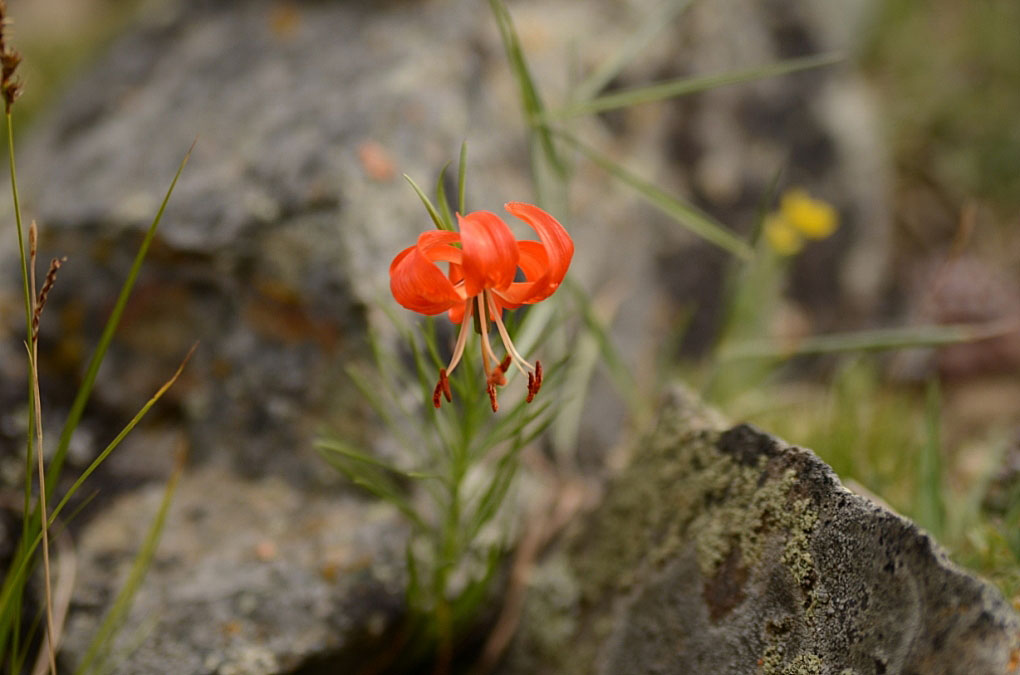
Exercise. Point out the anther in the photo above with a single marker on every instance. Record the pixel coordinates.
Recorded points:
(442, 388)
(492, 397)
(506, 363)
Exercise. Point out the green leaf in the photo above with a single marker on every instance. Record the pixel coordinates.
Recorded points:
(462, 178)
(21, 564)
(347, 450)
(370, 476)
(631, 48)
(881, 339)
(85, 390)
(95, 659)
(436, 218)
(696, 221)
(619, 372)
(929, 507)
(689, 85)
(531, 102)
(491, 499)
(444, 204)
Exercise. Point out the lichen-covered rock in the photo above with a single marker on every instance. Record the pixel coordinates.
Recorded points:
(727, 551)
(250, 578)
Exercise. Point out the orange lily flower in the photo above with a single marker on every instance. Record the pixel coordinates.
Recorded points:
(480, 279)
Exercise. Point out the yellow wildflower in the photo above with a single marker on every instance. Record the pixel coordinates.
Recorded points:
(799, 217)
(782, 236)
(813, 218)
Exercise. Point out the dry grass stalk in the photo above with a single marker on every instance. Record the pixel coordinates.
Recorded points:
(33, 359)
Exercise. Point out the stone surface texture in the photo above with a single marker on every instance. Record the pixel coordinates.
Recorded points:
(250, 578)
(724, 550)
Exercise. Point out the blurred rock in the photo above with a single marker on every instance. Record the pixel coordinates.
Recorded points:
(250, 578)
(727, 551)
(280, 231)
(961, 289)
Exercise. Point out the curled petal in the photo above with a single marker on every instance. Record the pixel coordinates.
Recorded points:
(490, 252)
(418, 284)
(534, 263)
(456, 313)
(435, 246)
(559, 247)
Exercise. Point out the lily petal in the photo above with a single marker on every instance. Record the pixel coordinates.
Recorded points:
(415, 280)
(534, 263)
(490, 252)
(559, 247)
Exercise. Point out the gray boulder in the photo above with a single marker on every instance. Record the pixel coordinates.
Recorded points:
(727, 551)
(250, 578)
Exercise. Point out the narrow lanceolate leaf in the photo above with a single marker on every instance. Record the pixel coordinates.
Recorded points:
(96, 657)
(373, 478)
(444, 204)
(85, 390)
(882, 339)
(694, 220)
(433, 214)
(462, 178)
(531, 102)
(20, 566)
(689, 85)
(348, 451)
(929, 507)
(654, 24)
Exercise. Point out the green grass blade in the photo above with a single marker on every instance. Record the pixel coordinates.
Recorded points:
(689, 85)
(491, 499)
(372, 479)
(433, 214)
(94, 660)
(531, 102)
(696, 221)
(929, 508)
(20, 565)
(444, 204)
(882, 339)
(85, 390)
(414, 590)
(348, 451)
(619, 372)
(462, 179)
(635, 43)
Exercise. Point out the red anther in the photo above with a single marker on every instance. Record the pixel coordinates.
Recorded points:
(506, 363)
(436, 393)
(531, 388)
(538, 375)
(492, 397)
(442, 387)
(445, 381)
(496, 378)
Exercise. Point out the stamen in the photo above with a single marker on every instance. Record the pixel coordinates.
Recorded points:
(487, 353)
(535, 383)
(492, 397)
(442, 387)
(458, 350)
(506, 363)
(518, 360)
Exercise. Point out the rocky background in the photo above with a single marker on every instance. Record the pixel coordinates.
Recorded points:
(273, 256)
